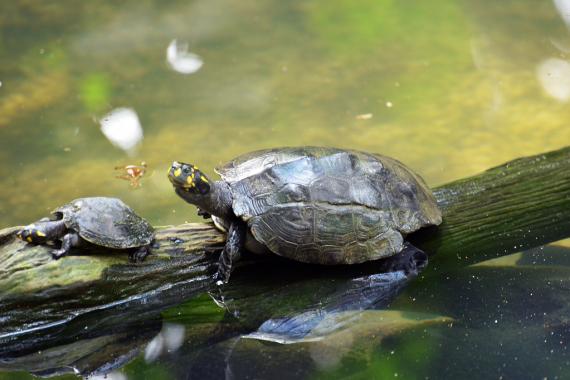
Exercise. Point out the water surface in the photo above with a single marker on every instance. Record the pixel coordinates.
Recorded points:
(449, 88)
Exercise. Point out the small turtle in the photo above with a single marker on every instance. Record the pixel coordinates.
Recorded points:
(105, 222)
(315, 205)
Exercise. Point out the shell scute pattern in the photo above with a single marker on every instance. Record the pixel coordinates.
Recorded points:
(328, 206)
(106, 222)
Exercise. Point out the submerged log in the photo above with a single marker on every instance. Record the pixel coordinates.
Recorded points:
(518, 205)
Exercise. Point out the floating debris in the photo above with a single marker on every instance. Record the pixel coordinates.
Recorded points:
(364, 116)
(554, 76)
(123, 128)
(563, 9)
(132, 173)
(168, 340)
(389, 104)
(181, 60)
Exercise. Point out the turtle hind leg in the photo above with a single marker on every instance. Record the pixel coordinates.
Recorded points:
(232, 251)
(139, 254)
(410, 260)
(69, 241)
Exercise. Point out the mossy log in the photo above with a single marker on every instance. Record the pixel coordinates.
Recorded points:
(518, 205)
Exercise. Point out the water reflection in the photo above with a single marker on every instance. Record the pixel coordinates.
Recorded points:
(342, 322)
(329, 315)
(123, 129)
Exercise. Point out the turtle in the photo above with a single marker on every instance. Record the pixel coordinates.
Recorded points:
(318, 205)
(101, 221)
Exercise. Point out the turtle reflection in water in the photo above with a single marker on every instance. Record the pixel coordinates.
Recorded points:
(100, 221)
(314, 205)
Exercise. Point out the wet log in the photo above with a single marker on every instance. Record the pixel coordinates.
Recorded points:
(39, 292)
(519, 205)
(515, 206)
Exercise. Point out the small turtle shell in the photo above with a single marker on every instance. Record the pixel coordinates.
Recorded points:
(328, 205)
(106, 222)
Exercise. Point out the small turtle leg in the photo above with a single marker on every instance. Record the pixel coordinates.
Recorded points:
(410, 260)
(204, 214)
(232, 251)
(70, 240)
(139, 254)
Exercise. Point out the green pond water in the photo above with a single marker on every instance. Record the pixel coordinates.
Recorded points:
(449, 88)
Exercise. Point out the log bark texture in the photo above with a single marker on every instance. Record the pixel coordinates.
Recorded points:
(521, 204)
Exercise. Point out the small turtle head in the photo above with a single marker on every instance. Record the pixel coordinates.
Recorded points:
(33, 233)
(188, 178)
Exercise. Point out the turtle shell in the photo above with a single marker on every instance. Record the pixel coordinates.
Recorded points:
(327, 205)
(106, 222)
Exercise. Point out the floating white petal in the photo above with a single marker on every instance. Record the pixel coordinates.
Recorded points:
(154, 348)
(169, 339)
(123, 128)
(554, 76)
(174, 335)
(563, 8)
(181, 60)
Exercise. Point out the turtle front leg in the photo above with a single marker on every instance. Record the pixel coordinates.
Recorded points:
(410, 260)
(204, 214)
(139, 254)
(232, 251)
(69, 241)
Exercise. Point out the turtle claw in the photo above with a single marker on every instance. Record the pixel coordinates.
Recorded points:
(411, 261)
(139, 255)
(220, 278)
(204, 214)
(57, 254)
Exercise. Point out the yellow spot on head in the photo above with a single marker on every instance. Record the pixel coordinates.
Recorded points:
(29, 239)
(190, 180)
(177, 172)
(40, 234)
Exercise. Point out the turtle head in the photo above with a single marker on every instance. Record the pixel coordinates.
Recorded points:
(35, 233)
(194, 187)
(186, 178)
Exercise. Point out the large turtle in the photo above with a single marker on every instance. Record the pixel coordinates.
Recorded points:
(311, 204)
(105, 222)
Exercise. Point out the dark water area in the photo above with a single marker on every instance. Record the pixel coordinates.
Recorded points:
(505, 318)
(448, 88)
